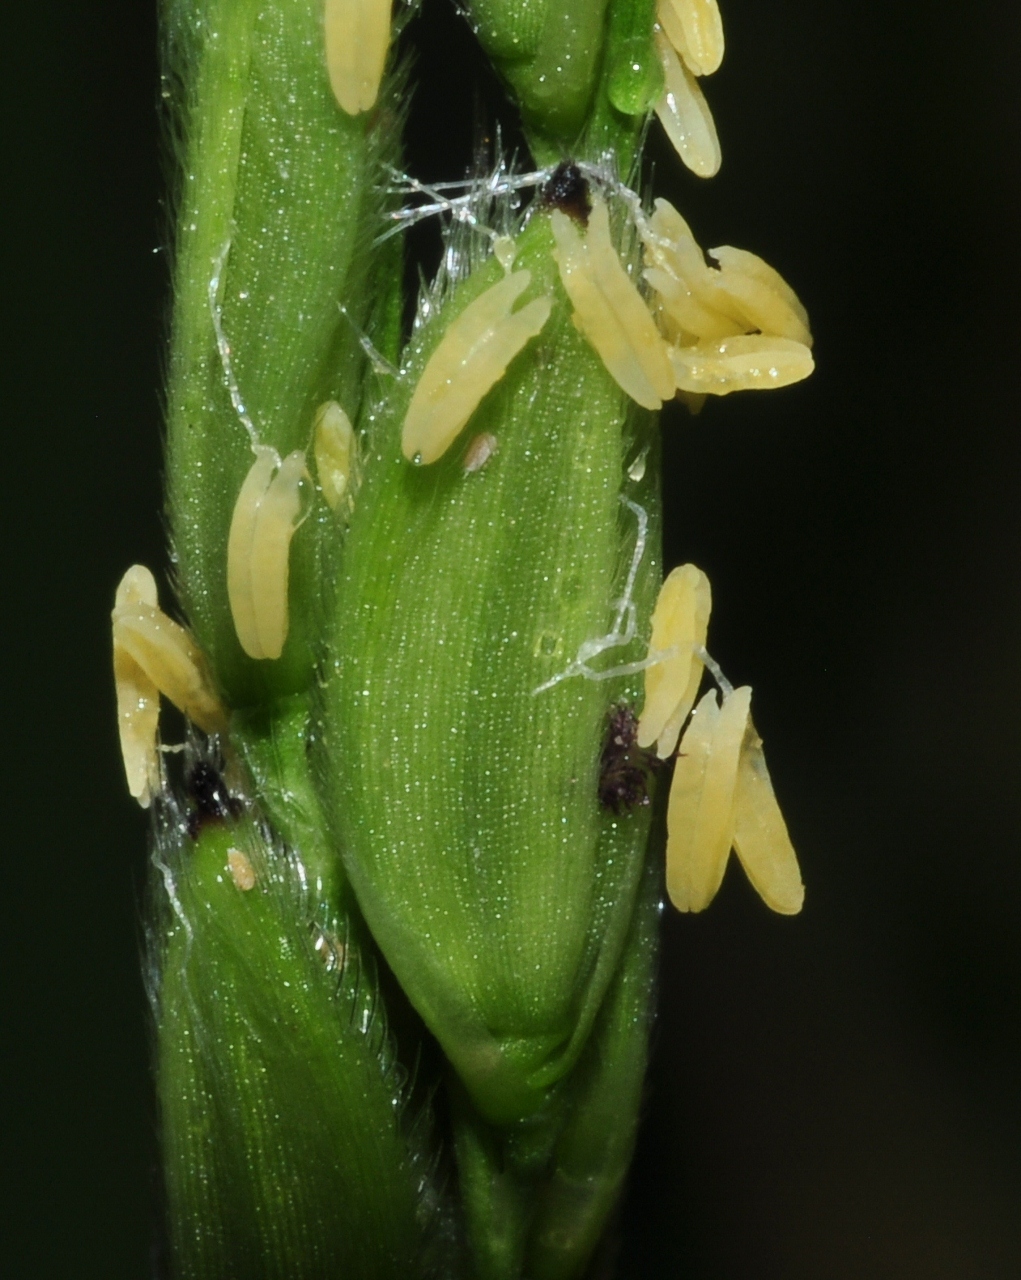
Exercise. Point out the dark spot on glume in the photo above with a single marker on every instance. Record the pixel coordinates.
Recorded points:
(211, 800)
(567, 190)
(624, 767)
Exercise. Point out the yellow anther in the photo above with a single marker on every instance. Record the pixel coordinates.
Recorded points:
(735, 327)
(677, 271)
(335, 446)
(471, 358)
(152, 654)
(761, 841)
(722, 797)
(266, 515)
(749, 362)
(680, 623)
(138, 699)
(685, 115)
(695, 29)
(700, 810)
(357, 38)
(757, 295)
(609, 310)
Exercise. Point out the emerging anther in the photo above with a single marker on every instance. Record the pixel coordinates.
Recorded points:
(722, 797)
(680, 624)
(153, 655)
(357, 39)
(479, 451)
(266, 516)
(241, 870)
(609, 310)
(471, 358)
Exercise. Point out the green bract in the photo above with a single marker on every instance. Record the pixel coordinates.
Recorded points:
(463, 793)
(550, 52)
(538, 1196)
(287, 1152)
(634, 80)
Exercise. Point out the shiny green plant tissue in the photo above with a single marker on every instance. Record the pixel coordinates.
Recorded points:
(462, 794)
(288, 1152)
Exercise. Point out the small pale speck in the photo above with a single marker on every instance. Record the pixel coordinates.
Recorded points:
(241, 870)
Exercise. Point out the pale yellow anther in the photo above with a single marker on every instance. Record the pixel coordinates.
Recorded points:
(357, 34)
(742, 295)
(680, 623)
(756, 295)
(266, 515)
(735, 327)
(695, 29)
(722, 798)
(760, 833)
(609, 310)
(701, 806)
(685, 115)
(749, 362)
(471, 358)
(138, 699)
(670, 244)
(682, 306)
(152, 654)
(336, 452)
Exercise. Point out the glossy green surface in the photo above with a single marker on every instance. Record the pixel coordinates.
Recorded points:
(463, 800)
(284, 1154)
(537, 1196)
(634, 77)
(550, 53)
(276, 205)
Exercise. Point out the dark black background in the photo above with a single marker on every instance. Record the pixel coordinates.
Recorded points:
(832, 1096)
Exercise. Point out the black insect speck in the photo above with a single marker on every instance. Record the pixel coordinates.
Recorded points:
(209, 795)
(568, 191)
(624, 766)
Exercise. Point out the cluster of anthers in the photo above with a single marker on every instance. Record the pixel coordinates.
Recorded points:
(689, 40)
(721, 796)
(700, 330)
(153, 655)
